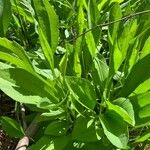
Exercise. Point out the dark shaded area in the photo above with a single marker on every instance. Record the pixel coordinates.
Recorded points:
(6, 109)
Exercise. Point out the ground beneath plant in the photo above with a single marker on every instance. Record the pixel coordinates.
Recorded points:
(7, 107)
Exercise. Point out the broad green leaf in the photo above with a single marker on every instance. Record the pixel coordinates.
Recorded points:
(63, 63)
(5, 16)
(24, 87)
(93, 13)
(5, 66)
(117, 57)
(141, 105)
(123, 108)
(139, 73)
(46, 49)
(93, 18)
(11, 90)
(131, 57)
(146, 49)
(82, 90)
(77, 65)
(11, 59)
(99, 72)
(126, 34)
(13, 53)
(11, 127)
(101, 4)
(60, 143)
(115, 129)
(76, 105)
(44, 143)
(90, 43)
(115, 14)
(115, 52)
(78, 42)
(126, 105)
(57, 128)
(48, 21)
(80, 18)
(82, 130)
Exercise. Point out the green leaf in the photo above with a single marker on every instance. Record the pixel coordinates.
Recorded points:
(115, 52)
(117, 57)
(24, 87)
(82, 90)
(23, 8)
(124, 108)
(11, 127)
(61, 143)
(47, 143)
(93, 20)
(139, 73)
(127, 106)
(46, 49)
(46, 104)
(115, 129)
(143, 87)
(57, 128)
(115, 14)
(131, 57)
(90, 43)
(99, 72)
(126, 34)
(146, 49)
(50, 115)
(141, 105)
(13, 53)
(80, 18)
(5, 16)
(44, 143)
(48, 21)
(63, 63)
(11, 59)
(93, 13)
(98, 145)
(76, 105)
(82, 130)
(77, 65)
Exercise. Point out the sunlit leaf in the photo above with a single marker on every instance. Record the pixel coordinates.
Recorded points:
(115, 129)
(146, 49)
(141, 106)
(124, 108)
(48, 21)
(82, 90)
(139, 73)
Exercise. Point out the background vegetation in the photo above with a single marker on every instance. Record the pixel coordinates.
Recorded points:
(76, 73)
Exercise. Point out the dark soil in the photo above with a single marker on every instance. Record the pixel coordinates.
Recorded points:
(6, 109)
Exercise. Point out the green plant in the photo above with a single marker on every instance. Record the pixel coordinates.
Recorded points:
(84, 92)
